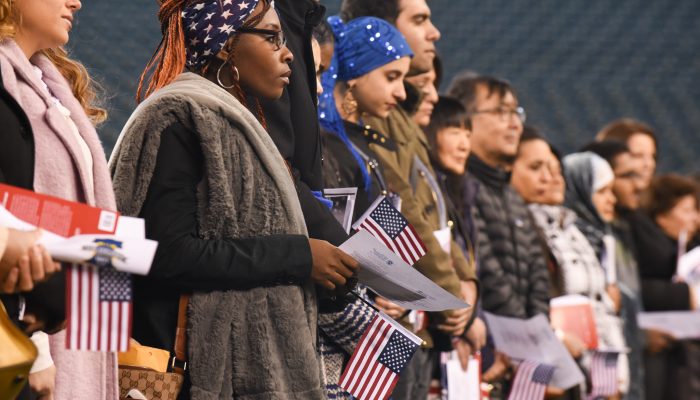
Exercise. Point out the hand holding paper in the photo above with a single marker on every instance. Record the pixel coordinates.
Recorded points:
(132, 253)
(23, 262)
(389, 276)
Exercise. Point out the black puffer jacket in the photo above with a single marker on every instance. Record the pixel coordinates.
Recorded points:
(512, 266)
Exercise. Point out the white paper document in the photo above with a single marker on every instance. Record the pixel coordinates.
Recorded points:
(389, 276)
(688, 269)
(127, 250)
(680, 324)
(533, 339)
(461, 384)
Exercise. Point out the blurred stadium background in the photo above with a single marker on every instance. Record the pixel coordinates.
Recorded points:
(576, 64)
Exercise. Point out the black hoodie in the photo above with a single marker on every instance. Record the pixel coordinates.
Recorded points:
(292, 121)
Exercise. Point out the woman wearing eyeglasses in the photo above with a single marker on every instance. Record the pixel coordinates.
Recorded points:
(196, 162)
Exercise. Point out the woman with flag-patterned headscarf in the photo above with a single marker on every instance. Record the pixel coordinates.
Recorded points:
(196, 162)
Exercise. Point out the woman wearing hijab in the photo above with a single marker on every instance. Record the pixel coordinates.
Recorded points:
(195, 161)
(365, 79)
(589, 180)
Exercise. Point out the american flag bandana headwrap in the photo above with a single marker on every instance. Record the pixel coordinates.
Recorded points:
(209, 23)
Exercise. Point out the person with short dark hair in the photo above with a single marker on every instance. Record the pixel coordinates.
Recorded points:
(497, 124)
(411, 18)
(387, 10)
(669, 207)
(641, 140)
(425, 96)
(512, 267)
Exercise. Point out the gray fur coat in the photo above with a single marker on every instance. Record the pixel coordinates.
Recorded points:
(243, 344)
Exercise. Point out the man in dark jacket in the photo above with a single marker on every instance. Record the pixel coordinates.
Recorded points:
(512, 266)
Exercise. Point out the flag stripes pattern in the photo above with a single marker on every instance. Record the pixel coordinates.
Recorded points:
(380, 356)
(387, 224)
(603, 374)
(99, 309)
(531, 380)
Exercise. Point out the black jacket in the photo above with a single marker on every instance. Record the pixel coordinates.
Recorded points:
(657, 255)
(292, 121)
(512, 268)
(17, 169)
(184, 262)
(341, 169)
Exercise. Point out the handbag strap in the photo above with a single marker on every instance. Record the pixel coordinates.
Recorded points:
(179, 362)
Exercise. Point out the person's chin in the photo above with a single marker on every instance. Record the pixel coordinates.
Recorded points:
(61, 39)
(382, 114)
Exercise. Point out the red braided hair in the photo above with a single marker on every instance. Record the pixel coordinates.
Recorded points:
(169, 59)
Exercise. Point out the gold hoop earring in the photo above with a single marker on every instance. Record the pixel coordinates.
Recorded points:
(349, 103)
(235, 78)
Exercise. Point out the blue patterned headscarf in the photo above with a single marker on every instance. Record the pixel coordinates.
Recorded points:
(361, 46)
(209, 23)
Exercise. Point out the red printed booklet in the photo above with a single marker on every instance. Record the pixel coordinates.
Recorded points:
(573, 314)
(101, 249)
(62, 217)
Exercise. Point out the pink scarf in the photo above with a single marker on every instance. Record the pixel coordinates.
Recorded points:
(60, 170)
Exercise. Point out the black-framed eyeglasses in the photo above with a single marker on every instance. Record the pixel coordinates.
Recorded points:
(277, 38)
(504, 113)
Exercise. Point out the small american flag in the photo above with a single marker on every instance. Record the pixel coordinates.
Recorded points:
(99, 308)
(531, 380)
(381, 354)
(387, 224)
(603, 374)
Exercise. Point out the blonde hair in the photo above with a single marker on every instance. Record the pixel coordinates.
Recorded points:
(83, 87)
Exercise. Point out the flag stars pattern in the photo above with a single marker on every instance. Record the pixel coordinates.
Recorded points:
(209, 24)
(114, 285)
(392, 221)
(397, 352)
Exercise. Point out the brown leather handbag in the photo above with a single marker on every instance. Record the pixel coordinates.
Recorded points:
(17, 354)
(155, 385)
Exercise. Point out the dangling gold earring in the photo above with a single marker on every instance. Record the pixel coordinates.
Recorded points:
(349, 103)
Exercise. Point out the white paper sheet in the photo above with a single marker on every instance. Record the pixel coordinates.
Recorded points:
(134, 254)
(444, 237)
(680, 324)
(609, 263)
(131, 255)
(533, 339)
(462, 385)
(389, 276)
(688, 269)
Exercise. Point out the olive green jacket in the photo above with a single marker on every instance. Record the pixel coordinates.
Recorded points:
(420, 203)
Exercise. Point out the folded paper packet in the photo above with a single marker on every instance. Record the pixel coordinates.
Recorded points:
(140, 356)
